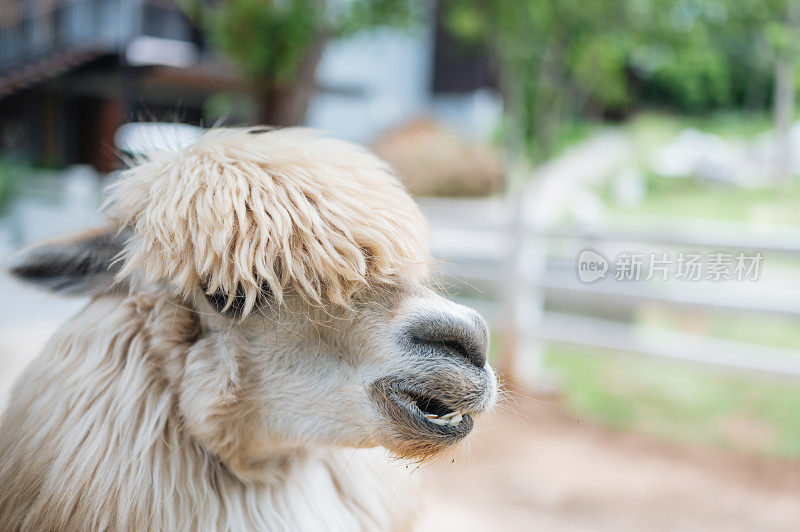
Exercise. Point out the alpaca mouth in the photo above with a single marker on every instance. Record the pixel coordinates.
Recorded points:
(432, 409)
(420, 419)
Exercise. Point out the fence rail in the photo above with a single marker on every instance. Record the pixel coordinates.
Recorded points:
(483, 256)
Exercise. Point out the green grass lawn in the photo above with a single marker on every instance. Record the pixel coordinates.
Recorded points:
(684, 198)
(657, 127)
(680, 403)
(773, 331)
(689, 199)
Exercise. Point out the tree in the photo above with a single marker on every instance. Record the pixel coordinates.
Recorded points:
(558, 60)
(277, 44)
(554, 56)
(788, 52)
(563, 59)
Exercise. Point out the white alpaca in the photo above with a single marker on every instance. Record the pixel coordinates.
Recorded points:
(258, 323)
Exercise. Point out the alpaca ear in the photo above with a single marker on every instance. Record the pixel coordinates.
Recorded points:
(84, 264)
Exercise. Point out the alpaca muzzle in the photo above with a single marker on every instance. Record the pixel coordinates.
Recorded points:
(432, 403)
(420, 425)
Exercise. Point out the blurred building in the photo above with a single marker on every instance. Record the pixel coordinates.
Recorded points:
(73, 71)
(380, 80)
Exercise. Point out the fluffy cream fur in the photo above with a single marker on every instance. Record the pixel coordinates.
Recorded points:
(105, 448)
(282, 208)
(152, 410)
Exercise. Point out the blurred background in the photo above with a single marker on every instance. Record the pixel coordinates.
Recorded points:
(613, 184)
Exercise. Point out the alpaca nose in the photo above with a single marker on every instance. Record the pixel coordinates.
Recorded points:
(457, 331)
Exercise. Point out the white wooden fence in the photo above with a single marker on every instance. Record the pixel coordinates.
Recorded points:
(522, 277)
(524, 280)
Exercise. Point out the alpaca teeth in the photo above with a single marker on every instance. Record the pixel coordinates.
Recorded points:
(431, 416)
(451, 419)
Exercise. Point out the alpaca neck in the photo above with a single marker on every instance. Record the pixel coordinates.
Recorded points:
(92, 439)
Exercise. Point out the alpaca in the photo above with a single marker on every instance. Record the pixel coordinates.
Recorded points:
(259, 351)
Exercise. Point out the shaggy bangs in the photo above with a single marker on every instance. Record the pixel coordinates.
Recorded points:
(283, 209)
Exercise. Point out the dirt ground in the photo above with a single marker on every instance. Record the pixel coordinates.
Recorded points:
(534, 466)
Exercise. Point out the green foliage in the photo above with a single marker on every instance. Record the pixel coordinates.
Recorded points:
(8, 182)
(365, 14)
(561, 59)
(268, 40)
(601, 66)
(556, 56)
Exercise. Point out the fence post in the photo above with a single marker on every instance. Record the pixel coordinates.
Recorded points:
(522, 360)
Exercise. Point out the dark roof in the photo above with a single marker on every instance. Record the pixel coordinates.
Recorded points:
(46, 67)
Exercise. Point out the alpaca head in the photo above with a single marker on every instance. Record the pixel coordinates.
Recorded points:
(302, 259)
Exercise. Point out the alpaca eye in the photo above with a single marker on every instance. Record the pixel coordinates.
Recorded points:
(219, 300)
(266, 293)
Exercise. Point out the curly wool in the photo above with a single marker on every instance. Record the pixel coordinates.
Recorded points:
(282, 209)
